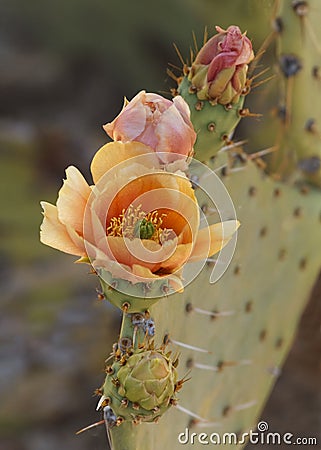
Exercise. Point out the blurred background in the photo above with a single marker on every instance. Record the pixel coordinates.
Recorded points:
(65, 68)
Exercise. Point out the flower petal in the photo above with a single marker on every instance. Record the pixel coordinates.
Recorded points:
(143, 272)
(130, 122)
(118, 249)
(210, 49)
(114, 153)
(56, 235)
(174, 135)
(179, 257)
(72, 199)
(183, 108)
(161, 102)
(212, 239)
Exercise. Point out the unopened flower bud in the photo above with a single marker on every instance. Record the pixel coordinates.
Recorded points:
(148, 379)
(153, 120)
(219, 70)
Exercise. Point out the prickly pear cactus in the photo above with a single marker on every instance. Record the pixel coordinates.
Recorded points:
(232, 336)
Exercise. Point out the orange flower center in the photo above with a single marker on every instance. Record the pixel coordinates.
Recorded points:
(135, 223)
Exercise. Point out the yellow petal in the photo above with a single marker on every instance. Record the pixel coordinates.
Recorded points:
(115, 153)
(72, 199)
(212, 239)
(118, 248)
(56, 235)
(180, 256)
(143, 272)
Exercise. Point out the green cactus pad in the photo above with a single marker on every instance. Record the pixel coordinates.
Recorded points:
(252, 312)
(294, 98)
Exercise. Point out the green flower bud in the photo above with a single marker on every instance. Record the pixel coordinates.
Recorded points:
(148, 379)
(141, 387)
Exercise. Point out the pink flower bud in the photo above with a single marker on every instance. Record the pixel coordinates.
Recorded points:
(219, 70)
(162, 124)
